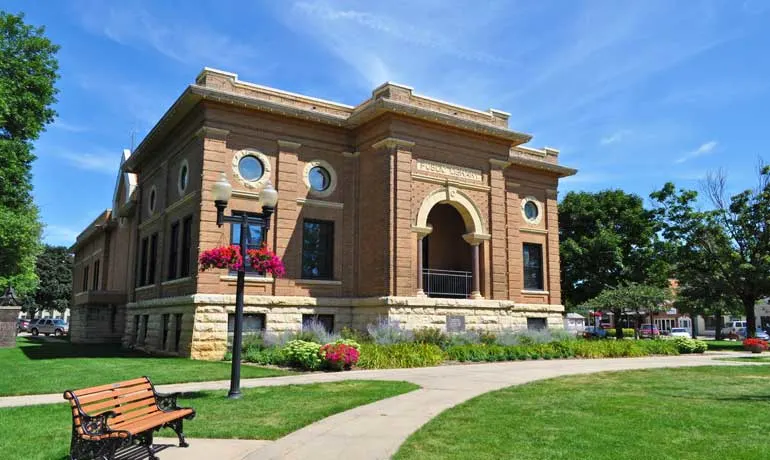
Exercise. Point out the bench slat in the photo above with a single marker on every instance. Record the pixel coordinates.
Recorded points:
(143, 425)
(117, 404)
(94, 397)
(111, 386)
(131, 415)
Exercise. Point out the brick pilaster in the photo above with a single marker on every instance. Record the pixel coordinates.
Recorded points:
(286, 217)
(515, 269)
(350, 223)
(497, 228)
(552, 261)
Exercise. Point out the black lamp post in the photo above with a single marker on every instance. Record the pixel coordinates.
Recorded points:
(268, 197)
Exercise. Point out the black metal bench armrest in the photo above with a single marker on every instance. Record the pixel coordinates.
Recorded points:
(96, 425)
(167, 402)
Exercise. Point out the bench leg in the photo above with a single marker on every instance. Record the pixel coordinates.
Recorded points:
(177, 426)
(148, 445)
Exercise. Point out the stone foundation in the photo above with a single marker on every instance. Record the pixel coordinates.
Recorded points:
(204, 318)
(97, 323)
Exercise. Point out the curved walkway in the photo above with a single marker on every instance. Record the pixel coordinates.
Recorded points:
(375, 431)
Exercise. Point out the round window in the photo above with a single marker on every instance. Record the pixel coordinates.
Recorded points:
(183, 173)
(319, 178)
(531, 211)
(250, 168)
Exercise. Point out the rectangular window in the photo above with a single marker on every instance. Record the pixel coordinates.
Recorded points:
(95, 286)
(165, 319)
(85, 278)
(533, 266)
(136, 328)
(153, 258)
(184, 267)
(173, 250)
(113, 318)
(326, 320)
(177, 330)
(145, 321)
(143, 262)
(253, 323)
(536, 324)
(317, 249)
(253, 238)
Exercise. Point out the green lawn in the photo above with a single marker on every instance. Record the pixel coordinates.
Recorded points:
(52, 366)
(697, 413)
(262, 413)
(727, 345)
(751, 359)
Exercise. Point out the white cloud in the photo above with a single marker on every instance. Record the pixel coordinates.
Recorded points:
(181, 39)
(615, 137)
(60, 235)
(65, 126)
(704, 149)
(102, 162)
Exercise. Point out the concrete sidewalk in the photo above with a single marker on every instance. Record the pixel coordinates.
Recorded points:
(375, 431)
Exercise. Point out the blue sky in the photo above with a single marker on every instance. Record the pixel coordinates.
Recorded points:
(634, 93)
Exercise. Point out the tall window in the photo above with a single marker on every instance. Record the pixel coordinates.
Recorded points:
(85, 278)
(143, 262)
(184, 267)
(165, 320)
(177, 330)
(253, 238)
(95, 285)
(533, 266)
(173, 250)
(153, 258)
(317, 249)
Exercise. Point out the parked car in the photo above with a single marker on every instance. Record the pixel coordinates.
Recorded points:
(732, 328)
(680, 332)
(22, 325)
(593, 332)
(49, 326)
(648, 331)
(760, 334)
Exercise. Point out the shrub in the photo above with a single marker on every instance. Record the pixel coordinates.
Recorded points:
(349, 342)
(748, 344)
(526, 337)
(685, 345)
(387, 332)
(431, 335)
(469, 337)
(354, 334)
(303, 354)
(266, 356)
(399, 355)
(252, 341)
(627, 332)
(315, 331)
(338, 356)
(658, 346)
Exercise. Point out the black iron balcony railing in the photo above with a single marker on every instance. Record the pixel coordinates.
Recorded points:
(447, 283)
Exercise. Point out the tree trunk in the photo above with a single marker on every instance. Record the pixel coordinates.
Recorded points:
(652, 323)
(718, 331)
(751, 320)
(618, 324)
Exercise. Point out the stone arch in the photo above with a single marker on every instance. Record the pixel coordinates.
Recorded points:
(470, 213)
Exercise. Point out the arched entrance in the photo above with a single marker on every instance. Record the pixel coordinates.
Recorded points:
(447, 259)
(449, 232)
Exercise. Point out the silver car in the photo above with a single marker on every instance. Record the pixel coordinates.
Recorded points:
(48, 326)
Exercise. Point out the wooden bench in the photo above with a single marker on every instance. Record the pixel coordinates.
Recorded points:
(109, 417)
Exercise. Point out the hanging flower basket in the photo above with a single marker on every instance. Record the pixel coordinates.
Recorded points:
(262, 260)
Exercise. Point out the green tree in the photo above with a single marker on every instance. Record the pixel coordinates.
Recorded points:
(607, 239)
(28, 72)
(728, 246)
(702, 298)
(54, 268)
(630, 297)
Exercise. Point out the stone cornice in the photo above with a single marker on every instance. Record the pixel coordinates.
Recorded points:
(319, 203)
(393, 142)
(474, 239)
(212, 133)
(288, 146)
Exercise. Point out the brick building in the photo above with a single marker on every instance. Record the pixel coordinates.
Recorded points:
(404, 207)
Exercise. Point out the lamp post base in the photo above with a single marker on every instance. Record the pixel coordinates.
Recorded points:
(234, 395)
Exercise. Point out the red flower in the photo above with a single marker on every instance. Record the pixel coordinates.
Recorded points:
(264, 260)
(222, 257)
(748, 343)
(339, 355)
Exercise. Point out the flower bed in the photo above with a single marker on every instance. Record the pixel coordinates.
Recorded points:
(755, 345)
